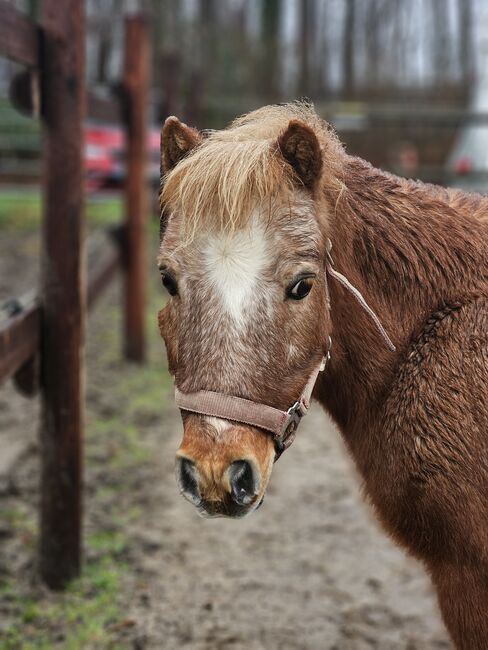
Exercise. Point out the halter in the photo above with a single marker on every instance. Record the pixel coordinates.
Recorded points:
(281, 424)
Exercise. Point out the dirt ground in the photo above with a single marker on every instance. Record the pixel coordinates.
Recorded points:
(310, 570)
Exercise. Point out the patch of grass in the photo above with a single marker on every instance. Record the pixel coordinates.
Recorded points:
(108, 542)
(81, 617)
(21, 210)
(148, 384)
(105, 211)
(31, 612)
(120, 441)
(21, 521)
(91, 611)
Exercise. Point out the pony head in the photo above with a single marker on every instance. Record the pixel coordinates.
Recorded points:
(243, 242)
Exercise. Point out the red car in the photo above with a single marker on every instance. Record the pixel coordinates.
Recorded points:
(105, 150)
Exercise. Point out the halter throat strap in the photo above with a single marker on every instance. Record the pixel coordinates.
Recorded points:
(329, 266)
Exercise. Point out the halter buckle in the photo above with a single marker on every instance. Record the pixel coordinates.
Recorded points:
(294, 417)
(295, 414)
(297, 411)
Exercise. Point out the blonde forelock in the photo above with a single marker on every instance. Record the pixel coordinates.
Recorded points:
(233, 171)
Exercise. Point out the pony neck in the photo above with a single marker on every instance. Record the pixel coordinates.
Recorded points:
(408, 251)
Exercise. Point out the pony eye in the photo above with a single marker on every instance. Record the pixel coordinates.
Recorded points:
(300, 288)
(169, 282)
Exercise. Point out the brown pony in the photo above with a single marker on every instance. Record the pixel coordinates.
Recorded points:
(247, 216)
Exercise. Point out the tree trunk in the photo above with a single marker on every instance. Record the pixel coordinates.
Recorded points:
(209, 20)
(169, 60)
(440, 41)
(269, 76)
(307, 49)
(348, 77)
(465, 14)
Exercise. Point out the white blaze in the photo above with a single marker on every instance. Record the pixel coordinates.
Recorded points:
(234, 264)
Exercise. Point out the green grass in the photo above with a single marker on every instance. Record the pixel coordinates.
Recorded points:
(18, 132)
(83, 616)
(21, 211)
(91, 612)
(88, 612)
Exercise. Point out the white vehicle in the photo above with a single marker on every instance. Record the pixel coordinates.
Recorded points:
(467, 166)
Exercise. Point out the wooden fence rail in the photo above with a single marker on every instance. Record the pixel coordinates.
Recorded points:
(19, 36)
(20, 325)
(19, 338)
(44, 340)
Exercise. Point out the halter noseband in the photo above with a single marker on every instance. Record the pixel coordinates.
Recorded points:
(281, 424)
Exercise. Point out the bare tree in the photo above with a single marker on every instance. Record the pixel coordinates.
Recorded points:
(348, 71)
(324, 49)
(209, 34)
(307, 50)
(270, 68)
(466, 58)
(102, 17)
(169, 31)
(440, 40)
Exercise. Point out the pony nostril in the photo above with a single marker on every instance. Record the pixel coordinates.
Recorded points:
(244, 485)
(186, 475)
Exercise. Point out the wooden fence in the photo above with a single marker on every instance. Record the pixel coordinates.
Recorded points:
(41, 344)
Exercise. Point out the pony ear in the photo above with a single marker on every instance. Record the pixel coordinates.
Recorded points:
(300, 148)
(177, 139)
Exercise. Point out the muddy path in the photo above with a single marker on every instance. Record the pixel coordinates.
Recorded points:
(310, 570)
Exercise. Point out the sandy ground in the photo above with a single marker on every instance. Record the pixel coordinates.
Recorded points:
(310, 570)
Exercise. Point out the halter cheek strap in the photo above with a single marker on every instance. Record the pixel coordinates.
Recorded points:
(281, 424)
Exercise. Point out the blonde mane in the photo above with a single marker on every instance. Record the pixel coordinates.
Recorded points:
(232, 171)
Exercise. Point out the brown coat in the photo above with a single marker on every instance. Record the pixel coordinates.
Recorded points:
(414, 420)
(417, 425)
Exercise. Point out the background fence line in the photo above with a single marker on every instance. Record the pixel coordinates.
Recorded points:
(42, 341)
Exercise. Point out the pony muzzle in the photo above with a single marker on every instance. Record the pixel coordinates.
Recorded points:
(223, 473)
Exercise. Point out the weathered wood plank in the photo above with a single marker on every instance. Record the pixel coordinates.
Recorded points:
(20, 333)
(102, 275)
(63, 292)
(19, 340)
(136, 78)
(19, 36)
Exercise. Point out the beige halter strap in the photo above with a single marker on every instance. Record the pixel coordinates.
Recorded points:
(281, 424)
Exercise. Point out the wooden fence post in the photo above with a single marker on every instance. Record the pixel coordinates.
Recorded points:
(62, 296)
(135, 84)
